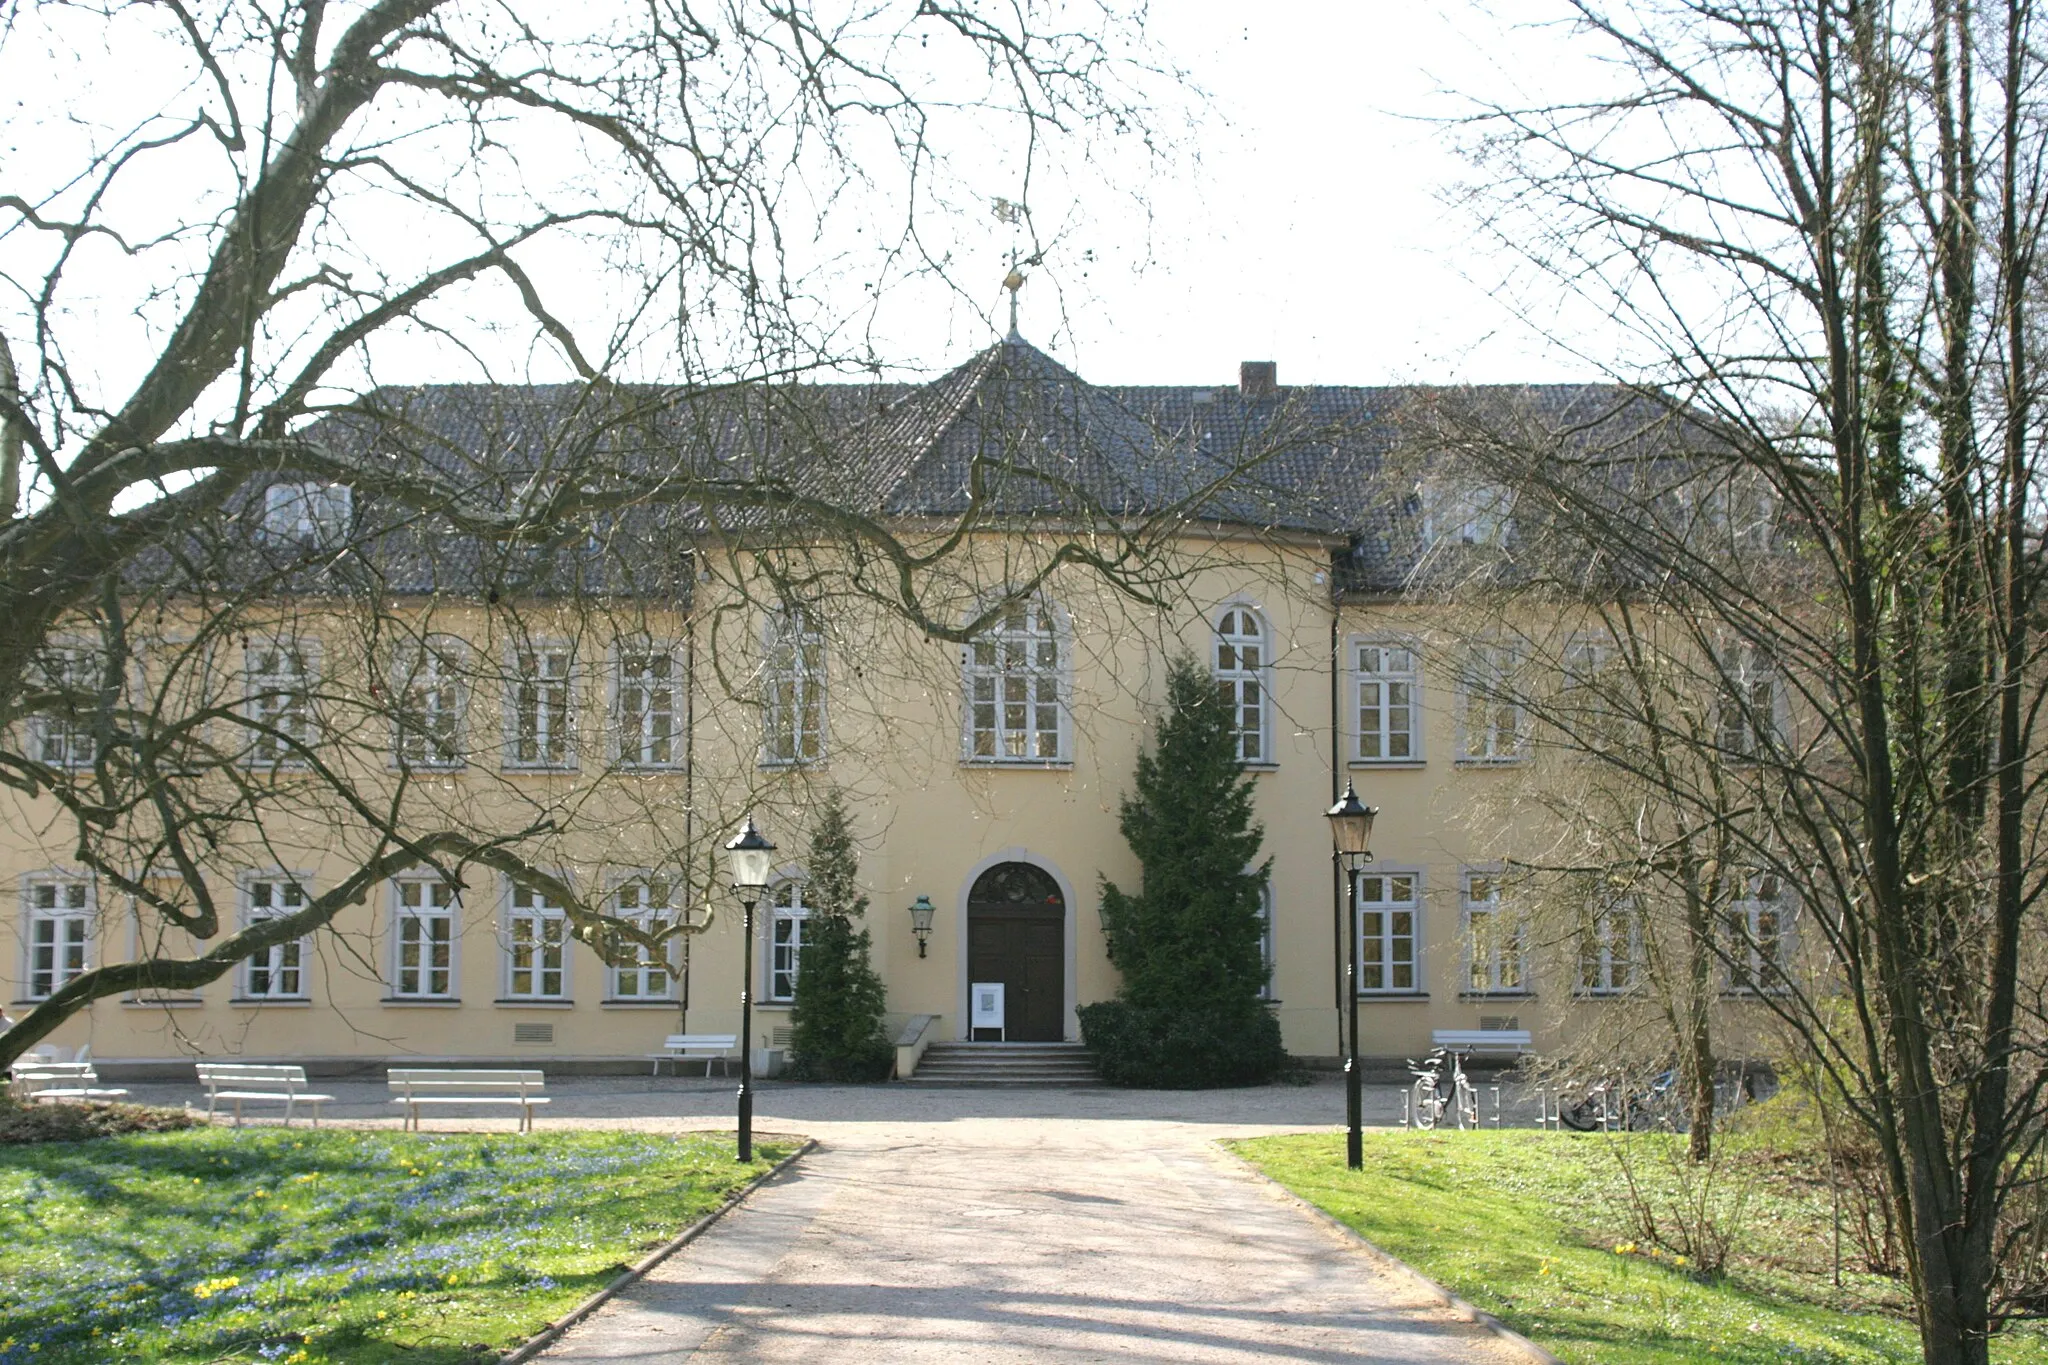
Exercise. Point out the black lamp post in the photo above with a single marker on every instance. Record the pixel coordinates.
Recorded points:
(1351, 833)
(751, 858)
(921, 912)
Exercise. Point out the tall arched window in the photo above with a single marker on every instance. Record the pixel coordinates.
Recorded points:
(786, 923)
(1241, 677)
(1014, 679)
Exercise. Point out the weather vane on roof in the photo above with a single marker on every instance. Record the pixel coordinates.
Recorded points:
(1014, 214)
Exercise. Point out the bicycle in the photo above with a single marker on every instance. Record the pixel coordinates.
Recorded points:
(1432, 1092)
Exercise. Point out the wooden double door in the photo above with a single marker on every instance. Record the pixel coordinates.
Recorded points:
(1017, 934)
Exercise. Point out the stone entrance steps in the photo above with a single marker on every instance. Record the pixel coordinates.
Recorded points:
(1009, 1064)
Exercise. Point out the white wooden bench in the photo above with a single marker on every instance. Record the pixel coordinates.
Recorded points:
(417, 1086)
(1482, 1042)
(689, 1047)
(37, 1079)
(241, 1082)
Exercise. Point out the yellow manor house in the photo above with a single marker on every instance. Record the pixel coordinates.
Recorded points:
(619, 700)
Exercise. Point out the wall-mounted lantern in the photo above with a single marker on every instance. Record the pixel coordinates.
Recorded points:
(921, 912)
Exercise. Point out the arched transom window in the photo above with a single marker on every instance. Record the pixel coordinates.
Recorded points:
(1241, 677)
(1014, 684)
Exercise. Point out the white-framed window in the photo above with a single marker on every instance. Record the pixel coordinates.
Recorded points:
(536, 946)
(1467, 512)
(1760, 929)
(647, 695)
(1241, 660)
(1746, 711)
(60, 924)
(1015, 684)
(62, 734)
(793, 689)
(651, 902)
(423, 938)
(1387, 685)
(278, 677)
(1492, 727)
(279, 971)
(1610, 950)
(308, 513)
(1496, 939)
(788, 917)
(540, 711)
(431, 702)
(1389, 933)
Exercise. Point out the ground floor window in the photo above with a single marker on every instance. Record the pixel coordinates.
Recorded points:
(1387, 912)
(425, 938)
(638, 973)
(279, 971)
(1496, 942)
(536, 942)
(786, 939)
(59, 928)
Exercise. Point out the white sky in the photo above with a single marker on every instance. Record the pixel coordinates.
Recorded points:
(1316, 234)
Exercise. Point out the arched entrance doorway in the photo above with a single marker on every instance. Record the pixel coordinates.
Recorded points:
(1016, 934)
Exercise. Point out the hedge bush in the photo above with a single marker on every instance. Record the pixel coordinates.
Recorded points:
(1175, 1048)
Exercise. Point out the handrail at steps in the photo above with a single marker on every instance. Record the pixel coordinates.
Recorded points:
(910, 1044)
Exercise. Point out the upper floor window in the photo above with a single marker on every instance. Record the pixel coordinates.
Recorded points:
(651, 903)
(308, 513)
(793, 687)
(1241, 661)
(1746, 711)
(1491, 722)
(1610, 950)
(430, 703)
(536, 944)
(1388, 683)
(649, 706)
(279, 971)
(1467, 512)
(423, 938)
(60, 918)
(277, 694)
(1496, 940)
(787, 921)
(1015, 687)
(539, 705)
(61, 731)
(1389, 930)
(1760, 936)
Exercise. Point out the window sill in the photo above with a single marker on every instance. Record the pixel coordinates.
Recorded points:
(537, 769)
(421, 1002)
(521, 1002)
(1488, 996)
(426, 769)
(1393, 997)
(778, 1005)
(644, 1002)
(177, 1002)
(651, 769)
(791, 764)
(1514, 762)
(1389, 763)
(271, 1002)
(1260, 767)
(1021, 764)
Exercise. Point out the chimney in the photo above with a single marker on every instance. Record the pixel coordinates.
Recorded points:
(1258, 378)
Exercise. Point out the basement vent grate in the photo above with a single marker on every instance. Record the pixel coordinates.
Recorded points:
(533, 1033)
(1497, 1023)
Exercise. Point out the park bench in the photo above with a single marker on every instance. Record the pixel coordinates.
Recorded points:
(1482, 1042)
(39, 1079)
(417, 1086)
(240, 1082)
(690, 1047)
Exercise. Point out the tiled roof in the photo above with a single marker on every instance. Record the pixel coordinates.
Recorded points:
(1011, 432)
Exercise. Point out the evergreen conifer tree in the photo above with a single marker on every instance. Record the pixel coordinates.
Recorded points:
(837, 1019)
(1188, 942)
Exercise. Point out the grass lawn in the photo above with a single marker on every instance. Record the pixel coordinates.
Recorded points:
(1526, 1225)
(331, 1245)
